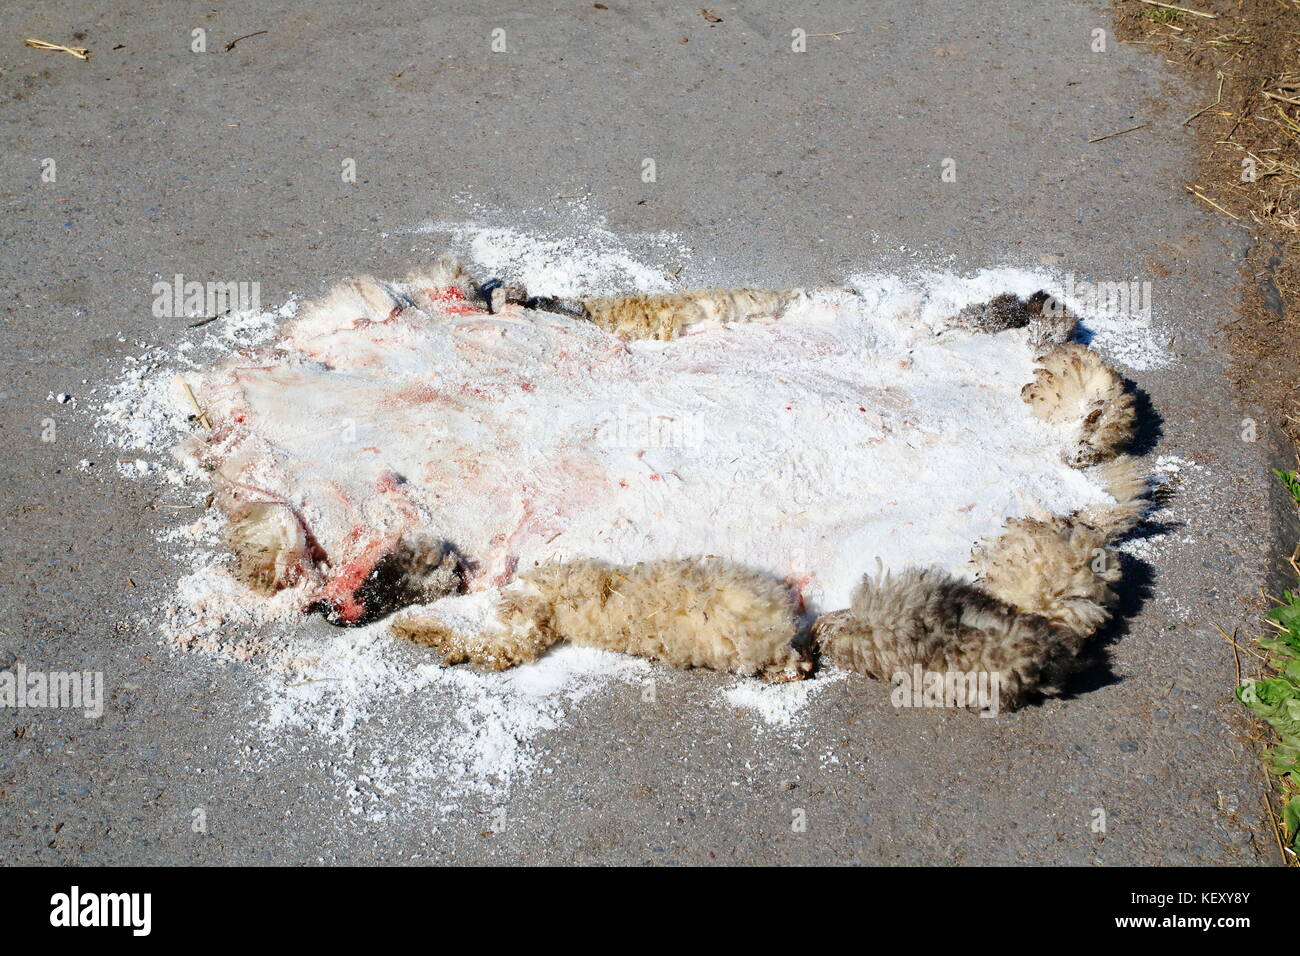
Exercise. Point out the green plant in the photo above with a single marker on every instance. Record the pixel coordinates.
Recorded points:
(1160, 14)
(1292, 481)
(1276, 699)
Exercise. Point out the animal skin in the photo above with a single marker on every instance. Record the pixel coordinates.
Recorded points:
(699, 612)
(1043, 585)
(420, 569)
(272, 553)
(1057, 569)
(1047, 321)
(926, 617)
(1125, 479)
(494, 650)
(269, 545)
(1072, 385)
(671, 314)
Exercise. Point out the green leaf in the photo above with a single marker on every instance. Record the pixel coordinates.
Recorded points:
(1292, 482)
(1288, 613)
(1291, 820)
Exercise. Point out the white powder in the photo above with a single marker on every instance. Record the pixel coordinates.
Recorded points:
(439, 734)
(808, 448)
(596, 263)
(894, 443)
(139, 411)
(1128, 338)
(563, 267)
(779, 704)
(1179, 506)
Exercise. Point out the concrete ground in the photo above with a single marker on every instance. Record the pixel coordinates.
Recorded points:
(776, 167)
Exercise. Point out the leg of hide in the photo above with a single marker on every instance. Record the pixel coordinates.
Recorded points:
(926, 617)
(691, 613)
(1058, 570)
(269, 544)
(1074, 386)
(418, 570)
(1125, 479)
(668, 315)
(492, 650)
(1047, 321)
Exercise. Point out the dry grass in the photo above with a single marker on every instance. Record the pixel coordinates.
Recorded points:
(1247, 58)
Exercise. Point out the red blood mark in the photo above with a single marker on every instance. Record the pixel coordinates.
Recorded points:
(509, 545)
(341, 590)
(418, 395)
(527, 387)
(655, 477)
(796, 586)
(389, 481)
(622, 483)
(861, 409)
(354, 535)
(507, 573)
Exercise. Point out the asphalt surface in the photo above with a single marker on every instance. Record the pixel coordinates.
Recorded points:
(776, 168)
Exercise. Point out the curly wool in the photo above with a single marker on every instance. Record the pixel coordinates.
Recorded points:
(925, 617)
(1058, 570)
(1126, 480)
(1047, 322)
(1072, 385)
(701, 612)
(419, 570)
(269, 544)
(669, 315)
(495, 650)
